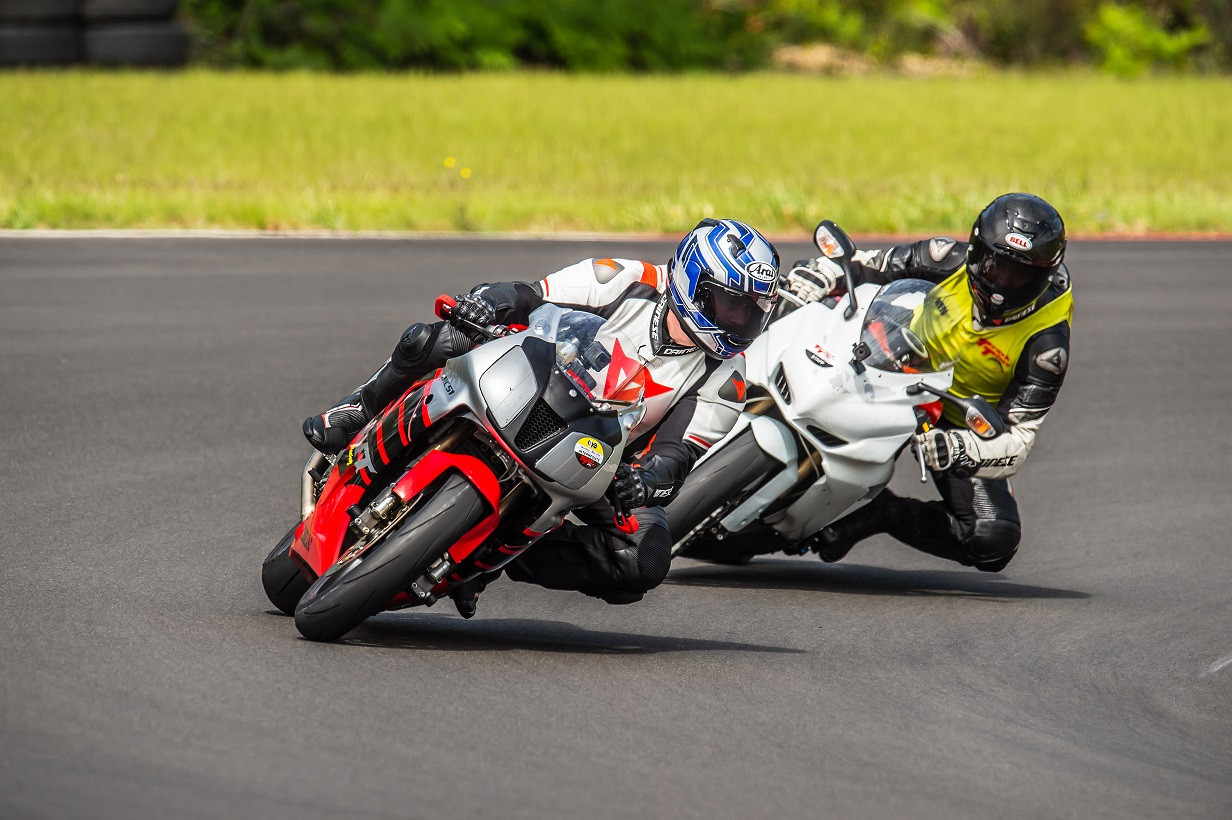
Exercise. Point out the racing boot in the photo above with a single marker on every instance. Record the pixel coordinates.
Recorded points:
(422, 349)
(333, 430)
(833, 542)
(926, 525)
(466, 594)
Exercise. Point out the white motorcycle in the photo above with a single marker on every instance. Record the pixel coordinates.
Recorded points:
(836, 390)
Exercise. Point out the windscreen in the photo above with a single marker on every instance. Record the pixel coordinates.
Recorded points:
(899, 327)
(599, 359)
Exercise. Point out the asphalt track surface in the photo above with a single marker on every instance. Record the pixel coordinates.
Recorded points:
(151, 393)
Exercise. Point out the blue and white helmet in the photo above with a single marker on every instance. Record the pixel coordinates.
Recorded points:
(723, 283)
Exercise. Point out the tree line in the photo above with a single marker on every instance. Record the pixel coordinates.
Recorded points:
(1120, 36)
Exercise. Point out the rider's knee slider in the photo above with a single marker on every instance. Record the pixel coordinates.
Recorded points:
(993, 543)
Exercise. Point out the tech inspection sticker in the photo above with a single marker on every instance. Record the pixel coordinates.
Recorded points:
(589, 452)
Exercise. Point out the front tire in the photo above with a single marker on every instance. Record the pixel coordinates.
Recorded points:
(738, 467)
(284, 583)
(343, 598)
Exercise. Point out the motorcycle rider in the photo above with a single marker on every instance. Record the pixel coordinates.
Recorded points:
(1010, 278)
(691, 319)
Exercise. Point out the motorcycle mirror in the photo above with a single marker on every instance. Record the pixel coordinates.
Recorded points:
(980, 416)
(833, 241)
(836, 245)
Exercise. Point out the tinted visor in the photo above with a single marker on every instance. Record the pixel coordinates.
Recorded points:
(738, 314)
(1004, 284)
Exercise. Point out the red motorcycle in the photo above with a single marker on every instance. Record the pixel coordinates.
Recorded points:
(462, 473)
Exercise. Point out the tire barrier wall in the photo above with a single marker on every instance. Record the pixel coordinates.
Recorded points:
(96, 32)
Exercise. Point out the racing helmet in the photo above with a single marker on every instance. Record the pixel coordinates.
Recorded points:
(1016, 245)
(722, 285)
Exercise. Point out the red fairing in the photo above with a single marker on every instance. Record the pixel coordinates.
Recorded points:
(431, 467)
(327, 526)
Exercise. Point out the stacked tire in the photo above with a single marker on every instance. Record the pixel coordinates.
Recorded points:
(99, 32)
(39, 32)
(133, 33)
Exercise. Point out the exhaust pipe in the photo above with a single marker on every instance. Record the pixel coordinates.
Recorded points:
(313, 470)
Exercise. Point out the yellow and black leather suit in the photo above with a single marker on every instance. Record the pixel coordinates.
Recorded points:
(1018, 366)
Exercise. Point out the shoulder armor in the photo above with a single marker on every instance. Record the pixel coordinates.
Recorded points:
(941, 254)
(1047, 354)
(606, 270)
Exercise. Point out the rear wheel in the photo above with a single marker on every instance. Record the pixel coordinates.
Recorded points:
(729, 475)
(284, 583)
(347, 595)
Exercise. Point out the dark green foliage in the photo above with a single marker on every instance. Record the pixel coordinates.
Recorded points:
(671, 35)
(588, 35)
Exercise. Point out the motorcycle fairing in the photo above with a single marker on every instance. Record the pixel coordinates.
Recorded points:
(470, 390)
(854, 420)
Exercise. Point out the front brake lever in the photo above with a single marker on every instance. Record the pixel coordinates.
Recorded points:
(919, 455)
(621, 518)
(444, 309)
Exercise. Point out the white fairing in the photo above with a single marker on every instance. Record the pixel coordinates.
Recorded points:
(857, 421)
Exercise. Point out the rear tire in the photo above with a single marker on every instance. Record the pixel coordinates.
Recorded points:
(739, 466)
(284, 583)
(341, 600)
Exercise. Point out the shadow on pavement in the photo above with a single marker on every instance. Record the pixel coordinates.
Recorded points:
(421, 631)
(856, 579)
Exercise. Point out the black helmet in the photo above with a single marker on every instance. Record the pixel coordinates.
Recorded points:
(1017, 244)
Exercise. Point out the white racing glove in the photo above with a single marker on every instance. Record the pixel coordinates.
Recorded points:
(811, 280)
(943, 450)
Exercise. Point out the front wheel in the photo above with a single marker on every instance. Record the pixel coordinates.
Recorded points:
(343, 598)
(718, 484)
(284, 583)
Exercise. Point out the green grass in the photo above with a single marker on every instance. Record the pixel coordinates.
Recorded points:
(559, 152)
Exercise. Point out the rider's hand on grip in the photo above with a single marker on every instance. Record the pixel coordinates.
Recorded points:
(632, 487)
(811, 280)
(471, 312)
(948, 450)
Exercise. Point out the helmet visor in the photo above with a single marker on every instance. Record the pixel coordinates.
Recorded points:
(1005, 284)
(738, 314)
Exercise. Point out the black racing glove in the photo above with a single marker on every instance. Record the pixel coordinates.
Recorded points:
(633, 486)
(472, 310)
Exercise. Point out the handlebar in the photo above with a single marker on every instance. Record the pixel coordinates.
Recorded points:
(444, 309)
